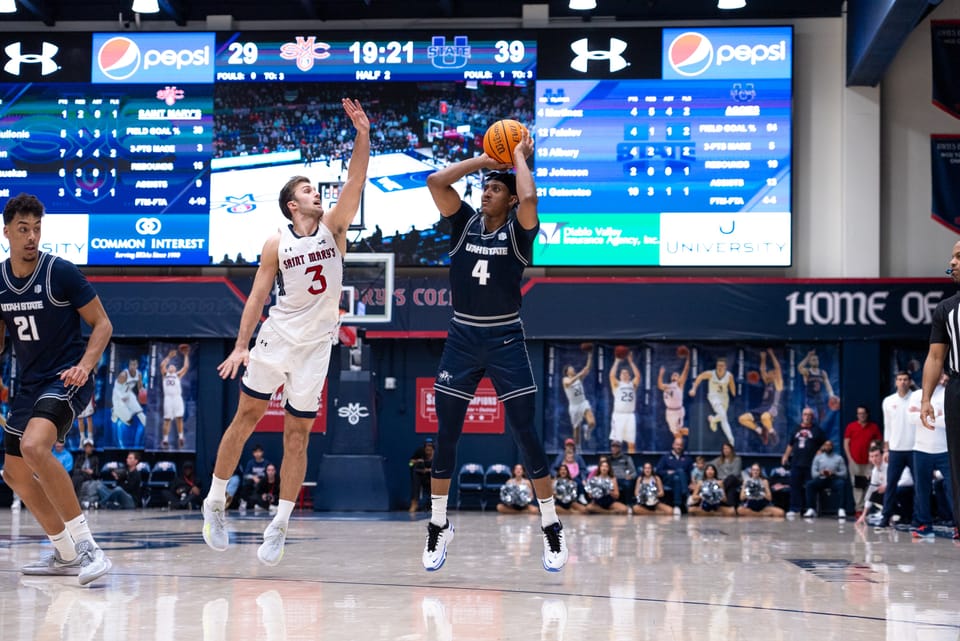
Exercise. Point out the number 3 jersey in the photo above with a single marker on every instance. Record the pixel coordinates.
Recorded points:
(41, 318)
(486, 268)
(307, 309)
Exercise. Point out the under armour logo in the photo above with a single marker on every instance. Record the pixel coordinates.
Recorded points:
(305, 51)
(45, 58)
(585, 55)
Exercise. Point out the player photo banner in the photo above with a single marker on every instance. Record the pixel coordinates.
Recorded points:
(645, 395)
(127, 396)
(484, 414)
(171, 406)
(945, 40)
(945, 180)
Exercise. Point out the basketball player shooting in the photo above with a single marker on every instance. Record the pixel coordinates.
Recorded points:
(488, 253)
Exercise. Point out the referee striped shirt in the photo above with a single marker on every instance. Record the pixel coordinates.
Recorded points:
(945, 329)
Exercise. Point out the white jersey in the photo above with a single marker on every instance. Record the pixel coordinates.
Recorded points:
(574, 391)
(929, 441)
(897, 430)
(127, 390)
(719, 386)
(171, 385)
(624, 398)
(672, 396)
(307, 309)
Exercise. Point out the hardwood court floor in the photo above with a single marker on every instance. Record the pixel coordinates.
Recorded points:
(358, 577)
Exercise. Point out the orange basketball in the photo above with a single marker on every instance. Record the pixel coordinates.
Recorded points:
(621, 351)
(683, 351)
(184, 348)
(501, 138)
(142, 395)
(834, 403)
(753, 377)
(586, 347)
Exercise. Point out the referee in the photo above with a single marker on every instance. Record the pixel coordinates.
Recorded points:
(944, 355)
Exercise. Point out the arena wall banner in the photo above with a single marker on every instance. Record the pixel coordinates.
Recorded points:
(484, 414)
(747, 394)
(945, 180)
(619, 308)
(680, 309)
(945, 42)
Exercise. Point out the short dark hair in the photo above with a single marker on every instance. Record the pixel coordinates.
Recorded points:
(22, 203)
(505, 177)
(257, 446)
(286, 194)
(903, 372)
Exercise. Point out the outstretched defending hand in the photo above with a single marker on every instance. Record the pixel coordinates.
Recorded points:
(230, 367)
(357, 115)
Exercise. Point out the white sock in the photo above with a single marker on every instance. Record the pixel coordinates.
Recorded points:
(439, 510)
(64, 544)
(548, 512)
(79, 530)
(218, 489)
(284, 510)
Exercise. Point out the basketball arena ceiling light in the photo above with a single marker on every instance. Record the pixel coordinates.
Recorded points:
(146, 6)
(583, 5)
(8, 6)
(731, 4)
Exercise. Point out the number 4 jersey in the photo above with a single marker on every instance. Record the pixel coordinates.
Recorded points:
(40, 314)
(307, 309)
(486, 268)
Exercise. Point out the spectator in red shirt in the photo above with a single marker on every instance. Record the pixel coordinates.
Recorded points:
(856, 444)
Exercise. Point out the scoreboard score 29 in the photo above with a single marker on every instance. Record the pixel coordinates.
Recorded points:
(653, 146)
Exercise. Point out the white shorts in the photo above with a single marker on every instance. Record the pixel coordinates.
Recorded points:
(87, 411)
(172, 407)
(301, 369)
(578, 412)
(125, 407)
(623, 427)
(675, 418)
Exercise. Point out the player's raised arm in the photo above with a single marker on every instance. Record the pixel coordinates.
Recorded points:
(340, 216)
(259, 294)
(440, 183)
(526, 189)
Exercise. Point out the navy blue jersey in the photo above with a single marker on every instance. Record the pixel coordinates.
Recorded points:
(486, 268)
(40, 314)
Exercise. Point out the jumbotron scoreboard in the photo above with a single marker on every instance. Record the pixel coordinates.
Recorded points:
(653, 146)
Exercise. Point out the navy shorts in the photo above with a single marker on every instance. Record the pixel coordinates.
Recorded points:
(500, 352)
(61, 405)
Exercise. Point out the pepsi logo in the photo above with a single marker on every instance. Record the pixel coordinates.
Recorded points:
(690, 54)
(119, 58)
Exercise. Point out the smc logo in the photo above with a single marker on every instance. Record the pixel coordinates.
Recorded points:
(148, 226)
(692, 53)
